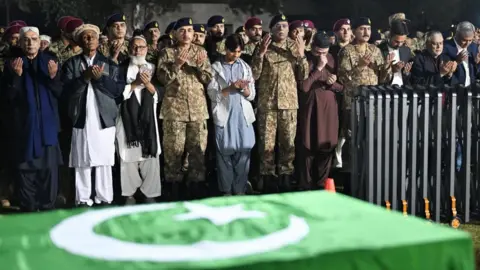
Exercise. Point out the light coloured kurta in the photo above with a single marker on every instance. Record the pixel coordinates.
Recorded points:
(92, 146)
(134, 154)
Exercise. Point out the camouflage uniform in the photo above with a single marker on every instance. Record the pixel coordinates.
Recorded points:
(152, 54)
(221, 47)
(3, 56)
(62, 52)
(184, 113)
(277, 74)
(107, 50)
(250, 48)
(351, 76)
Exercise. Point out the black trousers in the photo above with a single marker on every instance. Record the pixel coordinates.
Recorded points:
(37, 189)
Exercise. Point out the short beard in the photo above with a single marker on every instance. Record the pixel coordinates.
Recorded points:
(138, 60)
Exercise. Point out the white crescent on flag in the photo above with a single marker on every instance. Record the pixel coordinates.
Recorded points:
(76, 235)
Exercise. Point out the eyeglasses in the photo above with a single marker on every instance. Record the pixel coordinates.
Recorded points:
(140, 48)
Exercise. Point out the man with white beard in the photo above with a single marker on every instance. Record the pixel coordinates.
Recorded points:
(137, 135)
(92, 83)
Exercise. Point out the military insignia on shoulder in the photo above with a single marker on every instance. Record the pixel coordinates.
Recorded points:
(190, 21)
(283, 17)
(124, 18)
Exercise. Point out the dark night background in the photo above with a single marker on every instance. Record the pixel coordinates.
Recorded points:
(438, 14)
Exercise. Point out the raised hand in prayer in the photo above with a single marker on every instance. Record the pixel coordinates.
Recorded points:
(390, 59)
(365, 60)
(322, 62)
(117, 48)
(300, 46)
(331, 79)
(201, 57)
(398, 67)
(264, 45)
(97, 71)
(17, 66)
(408, 67)
(182, 57)
(52, 69)
(462, 56)
(445, 68)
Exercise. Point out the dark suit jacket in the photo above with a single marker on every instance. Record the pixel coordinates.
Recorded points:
(405, 56)
(450, 50)
(106, 90)
(426, 69)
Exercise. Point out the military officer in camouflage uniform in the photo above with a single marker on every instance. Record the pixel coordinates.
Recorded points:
(360, 64)
(215, 43)
(117, 46)
(61, 44)
(63, 53)
(200, 33)
(253, 28)
(152, 33)
(184, 69)
(278, 63)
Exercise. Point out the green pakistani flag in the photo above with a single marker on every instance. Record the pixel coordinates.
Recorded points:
(309, 230)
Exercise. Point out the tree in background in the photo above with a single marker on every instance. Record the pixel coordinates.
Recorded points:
(255, 7)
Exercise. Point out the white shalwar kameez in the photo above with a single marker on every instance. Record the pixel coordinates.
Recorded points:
(93, 147)
(135, 170)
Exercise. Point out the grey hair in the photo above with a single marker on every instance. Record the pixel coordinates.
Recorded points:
(430, 35)
(465, 28)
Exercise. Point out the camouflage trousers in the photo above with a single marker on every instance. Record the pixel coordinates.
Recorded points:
(180, 138)
(277, 126)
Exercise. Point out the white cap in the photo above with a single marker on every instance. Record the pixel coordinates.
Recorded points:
(45, 37)
(25, 29)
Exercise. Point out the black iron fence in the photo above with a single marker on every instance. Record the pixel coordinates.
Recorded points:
(417, 150)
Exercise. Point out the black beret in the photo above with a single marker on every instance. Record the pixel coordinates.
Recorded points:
(199, 28)
(215, 20)
(321, 40)
(152, 24)
(187, 21)
(276, 19)
(117, 17)
(240, 30)
(361, 21)
(137, 32)
(170, 27)
(398, 27)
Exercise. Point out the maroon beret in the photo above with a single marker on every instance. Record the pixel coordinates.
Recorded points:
(308, 24)
(338, 24)
(72, 25)
(296, 24)
(17, 22)
(62, 22)
(14, 29)
(251, 22)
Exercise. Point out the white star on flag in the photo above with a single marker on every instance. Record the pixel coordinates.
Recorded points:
(218, 215)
